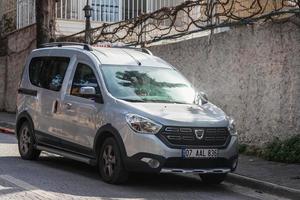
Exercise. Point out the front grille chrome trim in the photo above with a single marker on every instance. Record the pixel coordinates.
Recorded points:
(172, 129)
(186, 130)
(194, 171)
(178, 137)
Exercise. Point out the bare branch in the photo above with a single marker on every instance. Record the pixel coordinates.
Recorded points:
(189, 17)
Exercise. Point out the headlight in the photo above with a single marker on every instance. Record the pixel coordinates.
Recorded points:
(142, 125)
(232, 127)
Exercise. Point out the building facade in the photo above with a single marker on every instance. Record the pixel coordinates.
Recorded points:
(25, 10)
(16, 14)
(70, 16)
(110, 10)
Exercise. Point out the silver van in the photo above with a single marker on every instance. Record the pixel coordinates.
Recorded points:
(122, 110)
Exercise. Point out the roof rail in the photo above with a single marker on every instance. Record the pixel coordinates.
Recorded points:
(147, 51)
(144, 50)
(61, 44)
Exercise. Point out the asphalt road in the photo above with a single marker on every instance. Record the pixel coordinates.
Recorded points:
(54, 177)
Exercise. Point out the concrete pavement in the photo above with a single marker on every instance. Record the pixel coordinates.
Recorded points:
(274, 172)
(7, 122)
(54, 177)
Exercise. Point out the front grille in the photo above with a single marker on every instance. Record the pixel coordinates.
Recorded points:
(184, 136)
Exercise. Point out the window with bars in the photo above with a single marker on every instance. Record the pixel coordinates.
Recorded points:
(106, 10)
(110, 10)
(25, 13)
(103, 10)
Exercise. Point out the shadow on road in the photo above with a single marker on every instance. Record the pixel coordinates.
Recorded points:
(68, 177)
(155, 181)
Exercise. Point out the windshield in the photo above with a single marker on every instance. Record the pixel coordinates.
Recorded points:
(148, 84)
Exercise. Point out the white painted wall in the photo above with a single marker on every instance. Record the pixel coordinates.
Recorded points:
(69, 27)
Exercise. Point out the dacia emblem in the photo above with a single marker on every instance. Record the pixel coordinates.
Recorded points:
(199, 133)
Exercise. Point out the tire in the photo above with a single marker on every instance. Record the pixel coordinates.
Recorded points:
(110, 163)
(213, 179)
(26, 143)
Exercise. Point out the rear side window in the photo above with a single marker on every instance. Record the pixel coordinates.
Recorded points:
(48, 72)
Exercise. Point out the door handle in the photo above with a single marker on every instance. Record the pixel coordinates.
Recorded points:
(68, 106)
(55, 106)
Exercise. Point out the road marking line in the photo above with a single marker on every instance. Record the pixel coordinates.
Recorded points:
(28, 187)
(252, 193)
(5, 188)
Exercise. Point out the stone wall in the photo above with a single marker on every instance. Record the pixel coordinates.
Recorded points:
(2, 81)
(251, 72)
(20, 43)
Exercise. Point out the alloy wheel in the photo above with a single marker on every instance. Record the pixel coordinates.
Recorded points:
(109, 160)
(25, 140)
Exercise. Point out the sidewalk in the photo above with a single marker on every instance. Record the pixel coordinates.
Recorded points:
(7, 122)
(252, 171)
(267, 177)
(278, 173)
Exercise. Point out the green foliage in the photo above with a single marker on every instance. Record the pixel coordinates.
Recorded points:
(287, 151)
(242, 148)
(7, 24)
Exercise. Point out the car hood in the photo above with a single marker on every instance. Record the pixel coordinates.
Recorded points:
(207, 115)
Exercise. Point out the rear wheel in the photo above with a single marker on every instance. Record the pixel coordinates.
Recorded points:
(110, 163)
(26, 143)
(213, 178)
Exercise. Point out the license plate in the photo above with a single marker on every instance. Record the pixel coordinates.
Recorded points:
(199, 153)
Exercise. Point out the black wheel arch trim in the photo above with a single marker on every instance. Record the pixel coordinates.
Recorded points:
(20, 119)
(108, 128)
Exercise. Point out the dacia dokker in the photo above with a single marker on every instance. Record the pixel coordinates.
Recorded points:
(120, 109)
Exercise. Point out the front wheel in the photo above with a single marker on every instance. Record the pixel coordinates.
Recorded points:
(110, 163)
(26, 143)
(213, 178)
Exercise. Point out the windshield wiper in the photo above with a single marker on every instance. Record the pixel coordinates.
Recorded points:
(152, 100)
(133, 100)
(164, 101)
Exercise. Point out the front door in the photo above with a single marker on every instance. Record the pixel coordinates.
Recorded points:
(80, 112)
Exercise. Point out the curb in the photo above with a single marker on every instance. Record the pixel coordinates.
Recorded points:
(263, 186)
(7, 130)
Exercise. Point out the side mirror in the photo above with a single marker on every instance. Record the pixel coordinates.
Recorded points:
(201, 98)
(87, 91)
(204, 97)
(90, 92)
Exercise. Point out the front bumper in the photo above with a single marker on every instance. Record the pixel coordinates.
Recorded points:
(144, 148)
(143, 162)
(194, 171)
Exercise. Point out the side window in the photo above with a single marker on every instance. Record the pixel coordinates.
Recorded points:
(84, 77)
(35, 69)
(48, 72)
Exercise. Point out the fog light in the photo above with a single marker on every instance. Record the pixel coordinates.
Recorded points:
(153, 163)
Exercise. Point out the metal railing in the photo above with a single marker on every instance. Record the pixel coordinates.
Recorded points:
(25, 13)
(110, 10)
